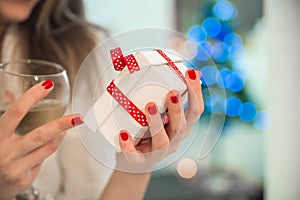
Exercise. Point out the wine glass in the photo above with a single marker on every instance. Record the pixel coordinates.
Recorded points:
(18, 76)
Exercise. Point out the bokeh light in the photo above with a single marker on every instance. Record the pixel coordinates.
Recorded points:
(215, 103)
(248, 112)
(234, 82)
(223, 75)
(211, 26)
(220, 52)
(233, 39)
(224, 10)
(209, 75)
(233, 106)
(187, 168)
(218, 41)
(197, 33)
(262, 120)
(204, 51)
(226, 29)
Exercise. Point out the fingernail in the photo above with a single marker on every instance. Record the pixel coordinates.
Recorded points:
(76, 121)
(174, 98)
(152, 109)
(47, 84)
(192, 74)
(124, 135)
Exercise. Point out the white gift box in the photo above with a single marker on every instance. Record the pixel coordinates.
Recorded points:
(155, 79)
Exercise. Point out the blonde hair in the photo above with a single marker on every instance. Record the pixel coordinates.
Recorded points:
(56, 31)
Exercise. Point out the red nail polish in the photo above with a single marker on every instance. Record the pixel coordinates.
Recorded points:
(192, 74)
(76, 121)
(124, 135)
(174, 98)
(152, 109)
(47, 84)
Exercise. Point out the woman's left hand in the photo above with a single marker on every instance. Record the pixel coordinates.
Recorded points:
(165, 140)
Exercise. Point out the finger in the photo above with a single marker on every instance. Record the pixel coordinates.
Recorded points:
(26, 179)
(43, 134)
(196, 105)
(177, 122)
(128, 148)
(37, 156)
(126, 142)
(160, 138)
(16, 112)
(34, 171)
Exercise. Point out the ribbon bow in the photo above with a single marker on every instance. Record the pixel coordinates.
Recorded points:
(119, 61)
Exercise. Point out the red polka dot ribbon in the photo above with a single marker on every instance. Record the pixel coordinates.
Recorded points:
(132, 109)
(119, 61)
(171, 64)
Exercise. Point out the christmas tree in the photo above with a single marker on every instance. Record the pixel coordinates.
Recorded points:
(220, 44)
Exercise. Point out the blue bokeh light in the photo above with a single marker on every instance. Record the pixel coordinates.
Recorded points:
(197, 33)
(233, 39)
(221, 52)
(226, 29)
(215, 103)
(223, 75)
(224, 10)
(262, 120)
(233, 106)
(209, 75)
(204, 51)
(211, 26)
(247, 112)
(235, 82)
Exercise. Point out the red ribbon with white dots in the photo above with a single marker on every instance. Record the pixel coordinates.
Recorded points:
(171, 64)
(119, 61)
(132, 109)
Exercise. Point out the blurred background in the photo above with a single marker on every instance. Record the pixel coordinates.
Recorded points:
(254, 45)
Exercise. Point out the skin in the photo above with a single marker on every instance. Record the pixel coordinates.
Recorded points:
(21, 157)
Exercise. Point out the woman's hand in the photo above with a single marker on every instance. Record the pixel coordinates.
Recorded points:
(164, 140)
(21, 156)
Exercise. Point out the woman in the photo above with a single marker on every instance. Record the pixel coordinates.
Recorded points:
(50, 29)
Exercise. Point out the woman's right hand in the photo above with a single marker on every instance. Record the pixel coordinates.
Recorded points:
(21, 156)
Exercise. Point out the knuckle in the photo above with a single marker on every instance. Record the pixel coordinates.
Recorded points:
(52, 146)
(196, 112)
(8, 176)
(173, 129)
(38, 139)
(17, 111)
(24, 182)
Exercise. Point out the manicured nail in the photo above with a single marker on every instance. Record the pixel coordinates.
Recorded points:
(76, 121)
(192, 74)
(174, 98)
(47, 84)
(152, 109)
(124, 135)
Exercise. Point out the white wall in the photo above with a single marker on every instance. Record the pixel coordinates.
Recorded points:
(120, 15)
(283, 140)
